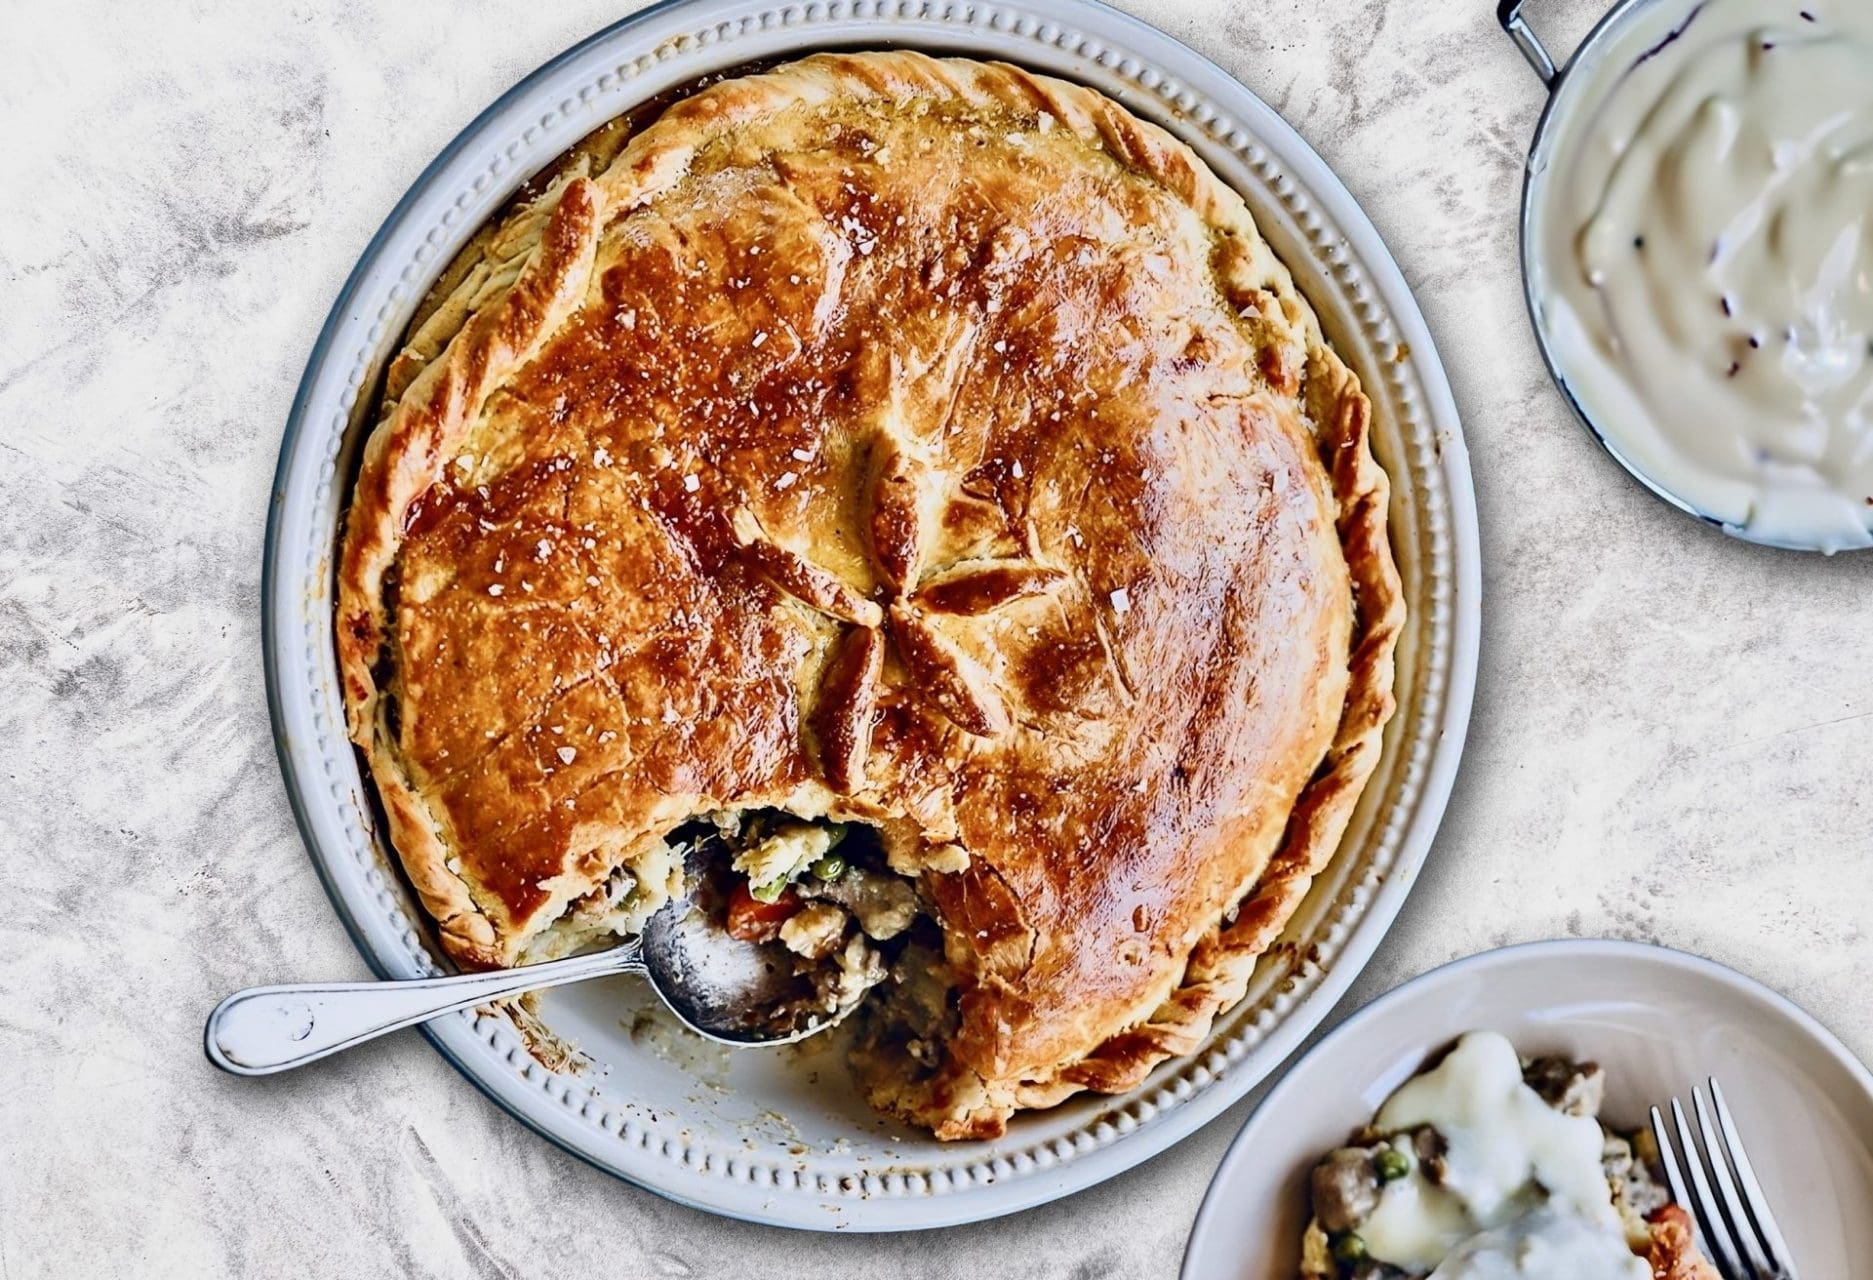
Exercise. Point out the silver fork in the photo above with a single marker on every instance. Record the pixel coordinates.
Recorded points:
(1735, 1229)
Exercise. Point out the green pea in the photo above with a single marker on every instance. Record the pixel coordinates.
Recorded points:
(769, 892)
(828, 868)
(1348, 1246)
(1392, 1164)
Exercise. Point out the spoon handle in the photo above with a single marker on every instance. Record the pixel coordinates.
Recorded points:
(262, 1030)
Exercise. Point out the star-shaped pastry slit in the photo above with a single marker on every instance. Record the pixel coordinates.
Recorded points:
(954, 683)
(802, 579)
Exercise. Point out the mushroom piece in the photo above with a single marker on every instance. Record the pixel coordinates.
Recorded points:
(1430, 1148)
(1346, 1188)
(1573, 1088)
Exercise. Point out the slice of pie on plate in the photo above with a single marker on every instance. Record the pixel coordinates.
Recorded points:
(1489, 1166)
(918, 481)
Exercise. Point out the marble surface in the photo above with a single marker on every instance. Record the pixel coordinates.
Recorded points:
(1670, 738)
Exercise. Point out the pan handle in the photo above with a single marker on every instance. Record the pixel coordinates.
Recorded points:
(1509, 14)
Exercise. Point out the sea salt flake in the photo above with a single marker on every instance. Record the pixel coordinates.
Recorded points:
(786, 480)
(760, 336)
(691, 483)
(567, 754)
(1121, 601)
(496, 589)
(802, 455)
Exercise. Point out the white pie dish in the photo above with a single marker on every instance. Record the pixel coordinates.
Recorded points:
(1659, 1021)
(754, 1135)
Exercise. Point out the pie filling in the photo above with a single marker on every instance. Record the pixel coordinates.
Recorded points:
(823, 890)
(1486, 1166)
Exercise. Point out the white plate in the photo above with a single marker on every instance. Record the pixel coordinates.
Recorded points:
(1659, 1021)
(771, 1136)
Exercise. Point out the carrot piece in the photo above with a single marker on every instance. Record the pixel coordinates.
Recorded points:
(751, 920)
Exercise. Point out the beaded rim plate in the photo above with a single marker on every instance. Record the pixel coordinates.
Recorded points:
(765, 1135)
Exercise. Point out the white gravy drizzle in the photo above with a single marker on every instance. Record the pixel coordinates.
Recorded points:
(1704, 258)
(1524, 1193)
(1548, 1244)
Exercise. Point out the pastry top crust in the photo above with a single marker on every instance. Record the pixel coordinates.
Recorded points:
(918, 441)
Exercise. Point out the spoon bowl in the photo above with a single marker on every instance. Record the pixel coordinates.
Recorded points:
(735, 992)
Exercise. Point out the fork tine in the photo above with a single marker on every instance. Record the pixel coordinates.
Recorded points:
(1681, 1193)
(1779, 1260)
(1742, 1223)
(1704, 1204)
(1669, 1158)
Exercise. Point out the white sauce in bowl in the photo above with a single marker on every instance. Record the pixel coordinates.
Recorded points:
(1701, 251)
(1523, 1194)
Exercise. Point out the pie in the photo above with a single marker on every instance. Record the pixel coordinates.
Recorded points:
(917, 481)
(1490, 1165)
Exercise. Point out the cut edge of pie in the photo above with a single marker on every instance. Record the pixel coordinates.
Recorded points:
(521, 279)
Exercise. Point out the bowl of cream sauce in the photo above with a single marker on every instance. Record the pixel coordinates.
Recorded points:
(1697, 249)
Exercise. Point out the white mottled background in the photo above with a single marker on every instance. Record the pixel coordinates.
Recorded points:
(1672, 738)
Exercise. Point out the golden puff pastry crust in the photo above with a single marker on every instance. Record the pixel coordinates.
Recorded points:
(923, 443)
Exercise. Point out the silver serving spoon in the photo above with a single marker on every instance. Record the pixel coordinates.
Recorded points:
(736, 993)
